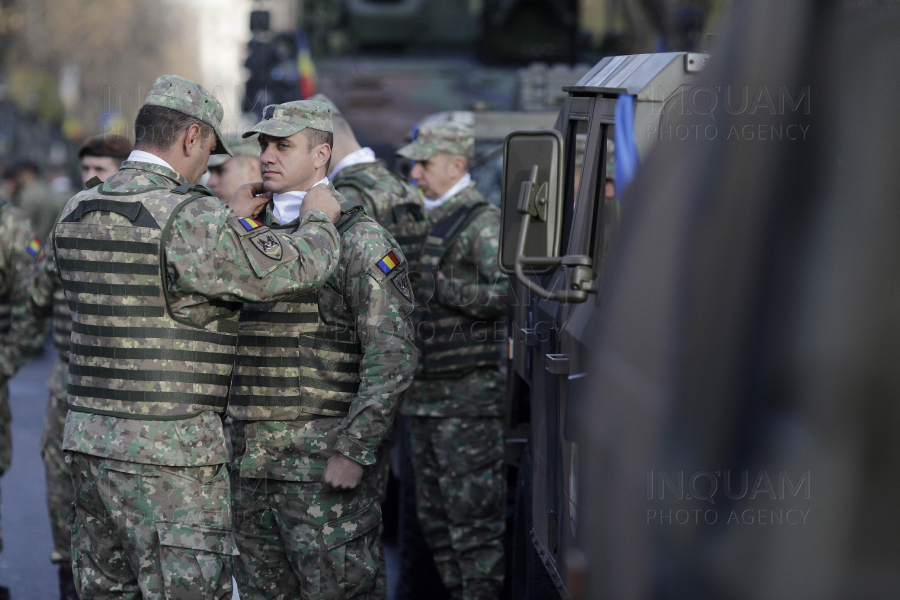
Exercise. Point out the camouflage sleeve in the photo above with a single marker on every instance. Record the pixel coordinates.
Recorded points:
(381, 304)
(19, 249)
(212, 252)
(485, 296)
(42, 283)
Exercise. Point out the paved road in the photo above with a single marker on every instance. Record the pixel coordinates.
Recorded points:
(25, 565)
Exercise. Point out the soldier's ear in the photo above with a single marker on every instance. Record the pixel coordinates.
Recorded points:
(459, 165)
(323, 155)
(192, 140)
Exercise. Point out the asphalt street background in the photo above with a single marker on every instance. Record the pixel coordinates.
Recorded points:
(25, 566)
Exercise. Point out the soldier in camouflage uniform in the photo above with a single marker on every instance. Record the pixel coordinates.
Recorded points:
(100, 156)
(455, 402)
(316, 385)
(154, 268)
(228, 173)
(20, 335)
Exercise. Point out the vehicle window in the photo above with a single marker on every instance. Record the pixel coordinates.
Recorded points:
(577, 154)
(610, 213)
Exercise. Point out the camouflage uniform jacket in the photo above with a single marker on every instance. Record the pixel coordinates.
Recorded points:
(208, 269)
(21, 333)
(392, 189)
(360, 296)
(389, 199)
(45, 297)
(473, 285)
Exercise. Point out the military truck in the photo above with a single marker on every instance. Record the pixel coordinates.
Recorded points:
(557, 222)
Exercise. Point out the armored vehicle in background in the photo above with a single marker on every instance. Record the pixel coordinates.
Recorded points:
(557, 223)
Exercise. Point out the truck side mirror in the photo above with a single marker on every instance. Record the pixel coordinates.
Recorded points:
(531, 214)
(532, 173)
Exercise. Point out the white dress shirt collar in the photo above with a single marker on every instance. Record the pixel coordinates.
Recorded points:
(357, 157)
(287, 205)
(146, 157)
(459, 186)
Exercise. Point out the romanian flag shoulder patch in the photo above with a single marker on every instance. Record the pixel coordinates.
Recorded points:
(34, 247)
(250, 224)
(388, 263)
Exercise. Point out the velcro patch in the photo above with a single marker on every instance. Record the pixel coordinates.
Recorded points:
(269, 244)
(34, 247)
(250, 224)
(388, 263)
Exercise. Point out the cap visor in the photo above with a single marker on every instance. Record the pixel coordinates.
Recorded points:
(273, 128)
(217, 160)
(415, 151)
(222, 146)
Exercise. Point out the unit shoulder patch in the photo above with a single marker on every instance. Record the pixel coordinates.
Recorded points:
(401, 282)
(269, 244)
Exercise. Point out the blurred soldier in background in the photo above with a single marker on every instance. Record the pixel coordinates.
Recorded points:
(33, 196)
(153, 348)
(99, 156)
(455, 402)
(227, 173)
(316, 384)
(20, 335)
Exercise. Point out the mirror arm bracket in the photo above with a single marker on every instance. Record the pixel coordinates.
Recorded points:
(580, 271)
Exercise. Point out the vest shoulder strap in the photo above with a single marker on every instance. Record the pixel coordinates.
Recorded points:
(133, 211)
(194, 188)
(351, 213)
(448, 229)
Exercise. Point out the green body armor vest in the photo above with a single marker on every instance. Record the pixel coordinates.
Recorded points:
(405, 221)
(129, 356)
(450, 343)
(289, 361)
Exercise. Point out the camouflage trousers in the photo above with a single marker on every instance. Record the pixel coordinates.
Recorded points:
(60, 494)
(298, 540)
(5, 434)
(460, 491)
(150, 531)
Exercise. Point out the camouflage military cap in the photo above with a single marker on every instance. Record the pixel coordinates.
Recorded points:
(323, 98)
(240, 146)
(185, 96)
(434, 138)
(283, 120)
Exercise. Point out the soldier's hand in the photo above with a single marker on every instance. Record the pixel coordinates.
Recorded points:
(249, 200)
(340, 472)
(320, 198)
